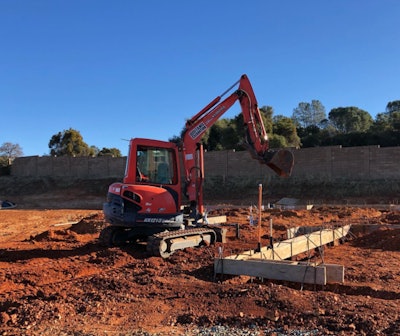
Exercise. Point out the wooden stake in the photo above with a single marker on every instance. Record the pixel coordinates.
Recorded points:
(259, 216)
(271, 240)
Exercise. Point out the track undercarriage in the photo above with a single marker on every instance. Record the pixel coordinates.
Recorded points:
(165, 243)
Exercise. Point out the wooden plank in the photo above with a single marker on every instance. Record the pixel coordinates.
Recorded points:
(301, 230)
(213, 220)
(282, 270)
(273, 270)
(271, 263)
(291, 247)
(334, 273)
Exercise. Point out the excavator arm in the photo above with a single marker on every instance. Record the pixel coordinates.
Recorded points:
(256, 139)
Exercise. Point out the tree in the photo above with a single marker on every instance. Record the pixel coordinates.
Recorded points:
(306, 114)
(94, 151)
(114, 152)
(266, 114)
(395, 120)
(176, 139)
(393, 106)
(350, 119)
(285, 127)
(381, 123)
(223, 135)
(69, 143)
(389, 120)
(277, 141)
(8, 152)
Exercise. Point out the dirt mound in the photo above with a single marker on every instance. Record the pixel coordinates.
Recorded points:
(89, 225)
(92, 224)
(55, 236)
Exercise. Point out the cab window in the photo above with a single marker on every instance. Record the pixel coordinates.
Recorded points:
(155, 165)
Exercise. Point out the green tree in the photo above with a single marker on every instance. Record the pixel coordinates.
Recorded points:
(277, 141)
(285, 127)
(69, 143)
(381, 123)
(393, 106)
(223, 135)
(176, 139)
(395, 120)
(389, 120)
(114, 152)
(350, 119)
(306, 114)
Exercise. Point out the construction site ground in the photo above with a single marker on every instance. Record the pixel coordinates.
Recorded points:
(56, 279)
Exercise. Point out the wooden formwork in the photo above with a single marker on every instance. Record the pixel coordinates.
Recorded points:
(272, 263)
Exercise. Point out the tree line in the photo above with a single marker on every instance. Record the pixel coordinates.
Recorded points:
(309, 126)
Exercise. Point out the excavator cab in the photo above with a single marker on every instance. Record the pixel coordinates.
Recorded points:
(148, 200)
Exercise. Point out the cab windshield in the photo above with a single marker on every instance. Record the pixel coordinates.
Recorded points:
(155, 165)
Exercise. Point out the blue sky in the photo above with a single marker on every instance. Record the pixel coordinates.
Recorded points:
(115, 70)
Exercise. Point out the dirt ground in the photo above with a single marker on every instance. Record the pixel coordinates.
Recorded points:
(55, 279)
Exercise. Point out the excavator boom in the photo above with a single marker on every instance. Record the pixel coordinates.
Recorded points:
(256, 138)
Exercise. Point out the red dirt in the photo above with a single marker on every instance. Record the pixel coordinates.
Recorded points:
(55, 279)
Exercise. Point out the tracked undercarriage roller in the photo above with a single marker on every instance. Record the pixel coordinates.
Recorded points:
(166, 243)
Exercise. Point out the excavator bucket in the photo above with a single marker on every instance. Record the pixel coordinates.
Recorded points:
(280, 161)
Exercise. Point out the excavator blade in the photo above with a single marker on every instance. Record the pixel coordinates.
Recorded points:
(280, 161)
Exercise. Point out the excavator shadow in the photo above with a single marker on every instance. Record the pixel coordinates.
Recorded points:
(137, 251)
(8, 255)
(204, 273)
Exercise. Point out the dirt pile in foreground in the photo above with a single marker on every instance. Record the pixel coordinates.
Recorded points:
(55, 279)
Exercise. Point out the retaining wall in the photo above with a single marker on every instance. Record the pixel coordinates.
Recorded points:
(327, 163)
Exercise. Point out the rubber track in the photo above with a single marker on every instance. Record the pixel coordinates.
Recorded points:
(153, 244)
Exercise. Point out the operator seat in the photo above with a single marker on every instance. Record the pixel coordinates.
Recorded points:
(163, 175)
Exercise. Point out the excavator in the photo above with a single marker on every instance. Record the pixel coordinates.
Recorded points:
(147, 204)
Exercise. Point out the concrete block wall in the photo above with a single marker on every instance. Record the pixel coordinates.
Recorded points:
(328, 163)
(385, 162)
(69, 167)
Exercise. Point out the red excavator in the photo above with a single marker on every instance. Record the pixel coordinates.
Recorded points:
(147, 205)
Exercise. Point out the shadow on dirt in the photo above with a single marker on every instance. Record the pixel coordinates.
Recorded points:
(137, 251)
(384, 239)
(204, 273)
(363, 291)
(23, 255)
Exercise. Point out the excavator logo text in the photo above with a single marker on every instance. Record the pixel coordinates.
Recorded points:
(154, 220)
(218, 112)
(195, 132)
